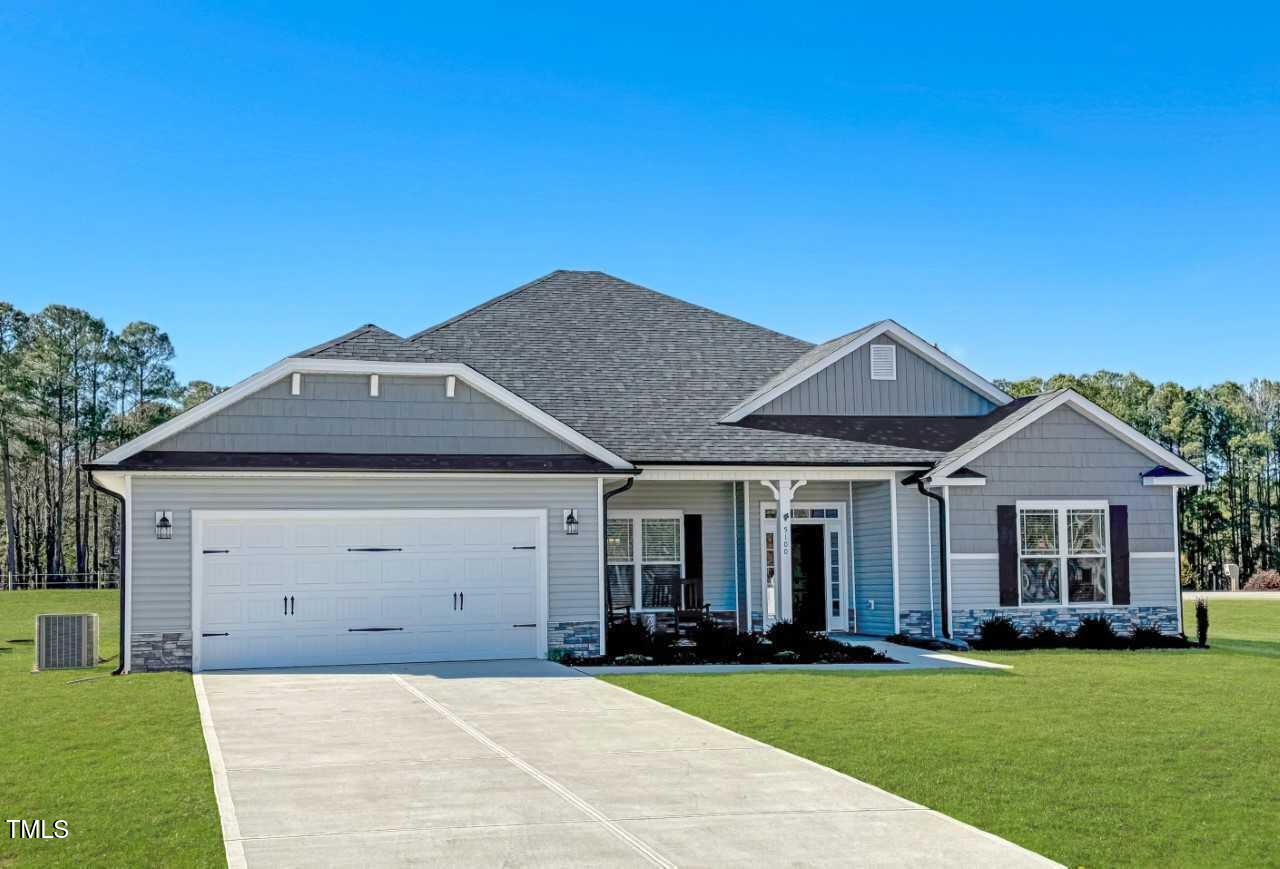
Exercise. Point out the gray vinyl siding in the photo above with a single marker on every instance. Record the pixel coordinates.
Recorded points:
(336, 414)
(161, 569)
(1062, 455)
(917, 549)
(713, 500)
(846, 387)
(873, 557)
(975, 584)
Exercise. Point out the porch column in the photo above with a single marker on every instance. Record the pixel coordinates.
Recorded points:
(784, 491)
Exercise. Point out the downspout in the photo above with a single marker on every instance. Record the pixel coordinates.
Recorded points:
(942, 553)
(123, 550)
(604, 556)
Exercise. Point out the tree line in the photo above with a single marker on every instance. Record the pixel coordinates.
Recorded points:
(1230, 431)
(71, 390)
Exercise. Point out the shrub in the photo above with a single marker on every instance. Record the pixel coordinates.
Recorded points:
(1096, 632)
(714, 642)
(1151, 638)
(753, 649)
(1264, 580)
(786, 656)
(1202, 623)
(632, 660)
(790, 636)
(1045, 637)
(998, 633)
(631, 636)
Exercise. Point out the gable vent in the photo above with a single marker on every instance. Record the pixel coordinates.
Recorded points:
(884, 362)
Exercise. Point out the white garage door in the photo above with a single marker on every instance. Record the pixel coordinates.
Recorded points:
(295, 588)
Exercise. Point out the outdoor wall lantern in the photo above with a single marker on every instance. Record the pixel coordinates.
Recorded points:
(164, 525)
(571, 521)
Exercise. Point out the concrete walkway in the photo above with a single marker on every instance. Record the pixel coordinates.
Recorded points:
(526, 763)
(1232, 595)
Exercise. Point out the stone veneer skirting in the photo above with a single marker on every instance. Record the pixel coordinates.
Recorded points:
(1066, 619)
(582, 638)
(155, 652)
(916, 623)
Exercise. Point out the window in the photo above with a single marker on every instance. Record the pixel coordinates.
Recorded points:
(884, 362)
(645, 558)
(1063, 557)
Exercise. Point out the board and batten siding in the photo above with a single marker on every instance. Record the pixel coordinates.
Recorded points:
(714, 502)
(873, 556)
(335, 414)
(1062, 456)
(846, 387)
(161, 569)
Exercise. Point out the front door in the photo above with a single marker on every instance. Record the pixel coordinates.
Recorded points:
(808, 577)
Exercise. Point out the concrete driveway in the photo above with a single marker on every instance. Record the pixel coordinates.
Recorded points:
(526, 763)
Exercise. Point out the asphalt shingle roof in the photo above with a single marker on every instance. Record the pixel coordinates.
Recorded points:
(644, 374)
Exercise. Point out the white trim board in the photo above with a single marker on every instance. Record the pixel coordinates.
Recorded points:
(753, 473)
(900, 334)
(1090, 411)
(298, 366)
(199, 517)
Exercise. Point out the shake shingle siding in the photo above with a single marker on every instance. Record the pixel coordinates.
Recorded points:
(1064, 456)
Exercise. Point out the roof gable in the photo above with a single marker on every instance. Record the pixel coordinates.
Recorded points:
(825, 355)
(1040, 407)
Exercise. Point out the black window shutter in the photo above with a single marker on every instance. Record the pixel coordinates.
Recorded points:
(693, 557)
(1007, 545)
(1119, 554)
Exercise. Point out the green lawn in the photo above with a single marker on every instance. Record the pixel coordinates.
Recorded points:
(122, 760)
(1091, 758)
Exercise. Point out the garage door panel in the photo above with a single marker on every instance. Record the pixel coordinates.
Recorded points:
(290, 592)
(356, 534)
(269, 572)
(401, 571)
(266, 537)
(315, 570)
(482, 532)
(358, 570)
(223, 574)
(315, 536)
(222, 535)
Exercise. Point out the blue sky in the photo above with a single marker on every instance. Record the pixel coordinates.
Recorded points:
(1034, 190)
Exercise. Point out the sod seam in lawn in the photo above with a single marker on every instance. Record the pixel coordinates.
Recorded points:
(121, 759)
(1091, 758)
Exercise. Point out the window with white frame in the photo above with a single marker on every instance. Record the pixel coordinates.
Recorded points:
(645, 558)
(1063, 553)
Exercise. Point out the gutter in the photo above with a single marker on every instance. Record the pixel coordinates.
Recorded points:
(604, 523)
(124, 549)
(943, 596)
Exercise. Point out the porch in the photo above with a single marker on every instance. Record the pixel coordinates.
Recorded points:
(838, 550)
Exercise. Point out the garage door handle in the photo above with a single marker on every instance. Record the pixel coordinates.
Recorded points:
(215, 551)
(215, 635)
(374, 549)
(455, 600)
(371, 630)
(462, 601)
(524, 547)
(530, 625)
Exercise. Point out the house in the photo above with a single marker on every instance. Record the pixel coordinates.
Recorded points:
(496, 485)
